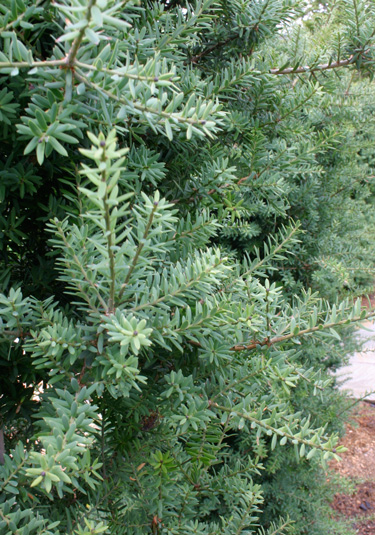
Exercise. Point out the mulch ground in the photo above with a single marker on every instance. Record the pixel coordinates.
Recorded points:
(358, 464)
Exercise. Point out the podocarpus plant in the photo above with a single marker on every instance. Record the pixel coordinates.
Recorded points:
(156, 375)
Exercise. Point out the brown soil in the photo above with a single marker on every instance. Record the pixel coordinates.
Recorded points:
(358, 464)
(366, 303)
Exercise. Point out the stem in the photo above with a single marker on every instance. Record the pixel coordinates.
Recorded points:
(180, 290)
(107, 218)
(272, 253)
(300, 374)
(290, 112)
(2, 446)
(350, 185)
(79, 521)
(5, 518)
(12, 474)
(350, 83)
(102, 446)
(94, 68)
(277, 339)
(22, 64)
(139, 107)
(241, 525)
(18, 19)
(70, 60)
(271, 428)
(355, 402)
(242, 380)
(77, 261)
(268, 324)
(356, 17)
(320, 67)
(285, 525)
(138, 252)
(222, 187)
(198, 57)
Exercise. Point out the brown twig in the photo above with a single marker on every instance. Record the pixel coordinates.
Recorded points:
(320, 67)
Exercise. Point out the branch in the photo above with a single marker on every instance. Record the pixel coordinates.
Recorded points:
(320, 67)
(12, 474)
(244, 379)
(32, 64)
(2, 446)
(139, 107)
(293, 109)
(213, 190)
(71, 62)
(138, 251)
(356, 401)
(277, 339)
(109, 234)
(273, 252)
(18, 19)
(195, 59)
(114, 72)
(268, 427)
(81, 268)
(65, 63)
(350, 185)
(198, 57)
(300, 374)
(78, 40)
(180, 289)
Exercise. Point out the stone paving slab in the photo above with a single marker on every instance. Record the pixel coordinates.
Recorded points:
(358, 377)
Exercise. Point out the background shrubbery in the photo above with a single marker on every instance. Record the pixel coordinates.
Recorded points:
(183, 205)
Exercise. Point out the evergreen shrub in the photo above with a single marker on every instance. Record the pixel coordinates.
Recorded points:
(185, 216)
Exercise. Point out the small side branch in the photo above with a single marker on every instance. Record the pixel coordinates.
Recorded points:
(138, 252)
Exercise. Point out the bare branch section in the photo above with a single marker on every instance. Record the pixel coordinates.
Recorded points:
(320, 67)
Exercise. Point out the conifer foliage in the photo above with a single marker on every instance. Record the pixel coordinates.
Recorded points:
(174, 195)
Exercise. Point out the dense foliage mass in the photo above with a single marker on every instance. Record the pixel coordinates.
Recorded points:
(181, 185)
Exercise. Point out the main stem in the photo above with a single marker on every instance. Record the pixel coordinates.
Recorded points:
(107, 218)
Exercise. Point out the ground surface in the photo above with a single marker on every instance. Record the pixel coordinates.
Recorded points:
(359, 375)
(358, 464)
